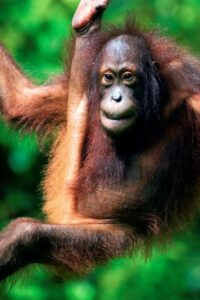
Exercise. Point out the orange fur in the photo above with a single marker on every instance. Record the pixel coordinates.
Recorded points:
(60, 205)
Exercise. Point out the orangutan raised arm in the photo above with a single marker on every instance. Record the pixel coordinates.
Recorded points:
(23, 103)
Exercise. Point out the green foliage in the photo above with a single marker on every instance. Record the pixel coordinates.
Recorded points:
(35, 33)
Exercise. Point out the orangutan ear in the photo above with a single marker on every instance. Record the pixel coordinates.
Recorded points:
(194, 104)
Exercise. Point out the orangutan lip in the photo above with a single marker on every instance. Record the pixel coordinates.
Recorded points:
(118, 117)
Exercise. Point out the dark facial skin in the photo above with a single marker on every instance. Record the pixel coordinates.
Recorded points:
(120, 84)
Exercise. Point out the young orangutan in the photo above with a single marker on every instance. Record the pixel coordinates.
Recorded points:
(124, 169)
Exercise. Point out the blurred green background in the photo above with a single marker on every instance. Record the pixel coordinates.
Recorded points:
(35, 33)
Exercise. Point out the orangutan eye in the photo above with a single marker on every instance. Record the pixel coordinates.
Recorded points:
(107, 79)
(128, 78)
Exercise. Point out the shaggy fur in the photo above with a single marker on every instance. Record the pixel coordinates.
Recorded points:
(105, 197)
